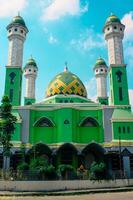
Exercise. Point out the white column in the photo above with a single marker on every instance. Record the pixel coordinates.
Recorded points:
(30, 87)
(126, 166)
(101, 86)
(15, 53)
(115, 50)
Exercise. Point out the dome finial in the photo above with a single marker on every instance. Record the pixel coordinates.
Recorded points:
(66, 67)
(19, 13)
(99, 57)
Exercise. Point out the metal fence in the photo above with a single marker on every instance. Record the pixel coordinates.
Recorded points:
(31, 175)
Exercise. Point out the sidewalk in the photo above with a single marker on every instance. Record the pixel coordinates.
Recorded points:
(66, 192)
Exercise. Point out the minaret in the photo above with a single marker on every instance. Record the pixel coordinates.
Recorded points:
(114, 33)
(17, 31)
(101, 71)
(30, 73)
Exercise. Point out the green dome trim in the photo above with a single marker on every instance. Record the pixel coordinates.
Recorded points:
(31, 62)
(113, 18)
(100, 61)
(19, 21)
(66, 83)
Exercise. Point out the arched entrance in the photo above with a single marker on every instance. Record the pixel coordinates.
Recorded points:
(67, 154)
(38, 150)
(92, 152)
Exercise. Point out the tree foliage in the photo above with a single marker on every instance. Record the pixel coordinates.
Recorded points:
(97, 171)
(7, 125)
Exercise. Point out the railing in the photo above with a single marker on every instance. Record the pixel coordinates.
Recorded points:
(31, 175)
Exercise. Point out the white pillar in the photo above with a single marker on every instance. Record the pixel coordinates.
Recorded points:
(126, 166)
(114, 33)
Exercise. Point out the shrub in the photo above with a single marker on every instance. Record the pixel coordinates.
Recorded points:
(66, 171)
(97, 171)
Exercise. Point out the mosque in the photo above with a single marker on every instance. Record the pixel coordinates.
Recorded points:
(72, 128)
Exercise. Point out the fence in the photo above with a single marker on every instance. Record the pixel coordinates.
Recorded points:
(37, 175)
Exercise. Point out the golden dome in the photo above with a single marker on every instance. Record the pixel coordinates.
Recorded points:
(66, 83)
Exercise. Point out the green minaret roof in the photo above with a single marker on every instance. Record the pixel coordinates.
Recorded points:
(100, 61)
(30, 62)
(18, 20)
(112, 18)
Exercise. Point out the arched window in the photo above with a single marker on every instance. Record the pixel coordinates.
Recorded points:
(119, 129)
(119, 75)
(124, 130)
(12, 77)
(28, 103)
(44, 122)
(11, 95)
(89, 122)
(128, 129)
(120, 94)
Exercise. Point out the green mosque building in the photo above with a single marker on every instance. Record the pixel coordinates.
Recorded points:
(71, 128)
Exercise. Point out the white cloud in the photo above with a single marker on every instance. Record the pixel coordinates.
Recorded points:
(52, 39)
(127, 20)
(91, 89)
(88, 40)
(11, 7)
(131, 96)
(59, 8)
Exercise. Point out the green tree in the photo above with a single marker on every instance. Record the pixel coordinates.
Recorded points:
(97, 171)
(7, 127)
(66, 171)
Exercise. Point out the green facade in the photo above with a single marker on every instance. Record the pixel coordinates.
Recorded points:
(118, 85)
(67, 126)
(13, 85)
(103, 101)
(29, 101)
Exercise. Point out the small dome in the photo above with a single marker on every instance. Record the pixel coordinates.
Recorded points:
(19, 20)
(31, 62)
(66, 83)
(113, 18)
(100, 61)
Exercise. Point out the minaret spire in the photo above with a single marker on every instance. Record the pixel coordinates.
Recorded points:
(66, 67)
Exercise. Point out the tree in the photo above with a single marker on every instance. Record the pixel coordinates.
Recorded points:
(7, 127)
(66, 171)
(97, 171)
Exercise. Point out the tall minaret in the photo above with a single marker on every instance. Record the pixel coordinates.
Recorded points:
(17, 31)
(101, 72)
(30, 73)
(114, 33)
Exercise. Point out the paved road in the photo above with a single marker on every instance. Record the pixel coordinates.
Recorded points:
(106, 196)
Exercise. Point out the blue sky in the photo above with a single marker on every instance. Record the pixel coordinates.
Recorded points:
(66, 30)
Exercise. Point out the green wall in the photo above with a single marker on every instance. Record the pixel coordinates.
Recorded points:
(115, 85)
(124, 135)
(15, 85)
(16, 136)
(66, 126)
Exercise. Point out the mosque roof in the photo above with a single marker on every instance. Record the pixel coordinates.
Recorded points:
(122, 115)
(112, 18)
(31, 62)
(100, 61)
(66, 83)
(17, 20)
